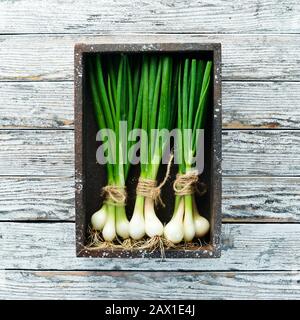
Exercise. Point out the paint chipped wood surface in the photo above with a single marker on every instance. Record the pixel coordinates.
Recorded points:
(246, 105)
(36, 198)
(244, 57)
(261, 196)
(244, 199)
(149, 285)
(175, 16)
(51, 246)
(244, 152)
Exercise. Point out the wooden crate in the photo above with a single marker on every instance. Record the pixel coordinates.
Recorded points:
(90, 177)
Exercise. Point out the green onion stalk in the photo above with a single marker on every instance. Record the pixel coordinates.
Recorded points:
(116, 93)
(193, 90)
(156, 114)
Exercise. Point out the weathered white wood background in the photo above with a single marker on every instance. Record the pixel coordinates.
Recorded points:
(261, 148)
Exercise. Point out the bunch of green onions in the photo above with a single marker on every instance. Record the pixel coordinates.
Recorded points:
(193, 91)
(158, 99)
(116, 91)
(149, 93)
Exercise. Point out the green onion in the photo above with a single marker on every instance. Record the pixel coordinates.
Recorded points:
(114, 100)
(156, 107)
(193, 89)
(149, 92)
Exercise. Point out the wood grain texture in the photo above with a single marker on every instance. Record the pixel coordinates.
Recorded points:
(261, 105)
(36, 105)
(251, 199)
(260, 199)
(244, 57)
(245, 105)
(50, 153)
(260, 53)
(33, 16)
(244, 247)
(32, 198)
(36, 153)
(148, 285)
(267, 152)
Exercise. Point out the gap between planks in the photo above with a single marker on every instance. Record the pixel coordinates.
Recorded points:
(148, 33)
(152, 271)
(246, 105)
(245, 153)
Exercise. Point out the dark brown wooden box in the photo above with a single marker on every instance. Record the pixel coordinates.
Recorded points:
(90, 177)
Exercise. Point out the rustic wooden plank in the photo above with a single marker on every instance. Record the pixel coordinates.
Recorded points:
(261, 199)
(148, 285)
(37, 153)
(36, 105)
(251, 199)
(30, 198)
(245, 105)
(244, 247)
(245, 57)
(261, 105)
(50, 153)
(33, 16)
(261, 152)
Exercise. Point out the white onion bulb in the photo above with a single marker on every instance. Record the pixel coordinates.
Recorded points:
(137, 222)
(109, 230)
(122, 224)
(188, 221)
(98, 218)
(201, 224)
(174, 230)
(153, 225)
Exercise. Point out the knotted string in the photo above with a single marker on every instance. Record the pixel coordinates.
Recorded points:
(114, 195)
(187, 183)
(148, 188)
